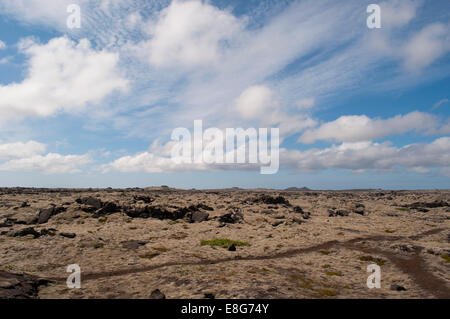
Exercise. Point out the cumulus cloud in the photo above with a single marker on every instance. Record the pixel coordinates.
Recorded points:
(362, 128)
(358, 157)
(21, 150)
(49, 164)
(370, 155)
(255, 102)
(306, 104)
(426, 46)
(260, 103)
(30, 156)
(48, 12)
(191, 33)
(62, 76)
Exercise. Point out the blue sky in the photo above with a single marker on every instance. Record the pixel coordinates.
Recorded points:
(95, 106)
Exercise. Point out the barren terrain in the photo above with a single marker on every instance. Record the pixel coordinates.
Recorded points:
(224, 243)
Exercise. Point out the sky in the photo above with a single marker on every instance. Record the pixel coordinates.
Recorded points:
(95, 106)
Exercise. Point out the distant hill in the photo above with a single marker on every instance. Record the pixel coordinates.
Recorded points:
(297, 189)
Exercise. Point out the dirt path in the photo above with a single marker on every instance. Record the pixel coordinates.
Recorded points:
(413, 266)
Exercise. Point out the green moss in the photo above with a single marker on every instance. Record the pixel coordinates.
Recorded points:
(446, 258)
(223, 242)
(327, 292)
(378, 261)
(149, 255)
(334, 273)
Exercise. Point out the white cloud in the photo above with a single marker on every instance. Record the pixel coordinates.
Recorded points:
(2, 45)
(150, 163)
(358, 157)
(369, 155)
(426, 46)
(439, 103)
(191, 33)
(21, 150)
(362, 128)
(260, 103)
(49, 164)
(48, 12)
(62, 76)
(306, 104)
(255, 102)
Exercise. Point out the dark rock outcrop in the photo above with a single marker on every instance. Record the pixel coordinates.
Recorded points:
(19, 286)
(157, 294)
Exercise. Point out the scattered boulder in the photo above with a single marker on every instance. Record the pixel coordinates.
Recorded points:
(422, 206)
(267, 199)
(145, 199)
(157, 294)
(48, 231)
(359, 209)
(25, 232)
(133, 244)
(277, 223)
(24, 204)
(45, 214)
(231, 218)
(198, 217)
(232, 247)
(20, 286)
(339, 212)
(397, 288)
(107, 208)
(68, 235)
(90, 201)
(299, 210)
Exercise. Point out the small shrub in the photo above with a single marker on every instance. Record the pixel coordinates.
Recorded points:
(223, 242)
(378, 261)
(149, 255)
(446, 258)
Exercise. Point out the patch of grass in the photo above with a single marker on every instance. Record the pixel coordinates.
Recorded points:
(446, 258)
(324, 292)
(149, 255)
(304, 282)
(223, 242)
(325, 266)
(334, 273)
(378, 261)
